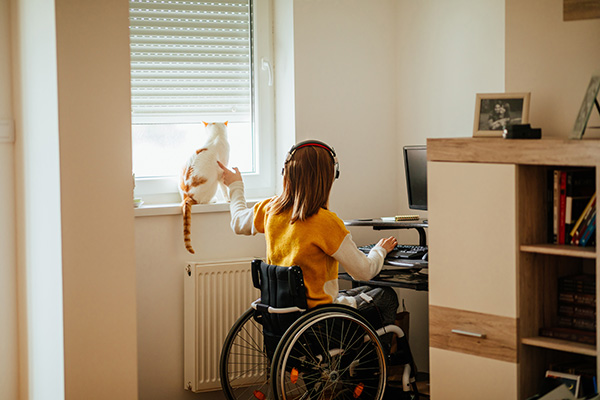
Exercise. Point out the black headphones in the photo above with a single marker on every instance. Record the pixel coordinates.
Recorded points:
(314, 143)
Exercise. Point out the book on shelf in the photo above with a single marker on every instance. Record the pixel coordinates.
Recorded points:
(576, 311)
(578, 298)
(550, 198)
(577, 295)
(574, 207)
(586, 370)
(586, 236)
(584, 214)
(562, 202)
(555, 205)
(585, 324)
(590, 228)
(570, 334)
(585, 224)
(571, 190)
(571, 381)
(577, 283)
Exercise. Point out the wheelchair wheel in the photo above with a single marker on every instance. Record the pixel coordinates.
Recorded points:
(329, 353)
(244, 366)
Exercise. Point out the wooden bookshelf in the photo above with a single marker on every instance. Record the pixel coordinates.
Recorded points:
(512, 270)
(561, 345)
(560, 250)
(520, 152)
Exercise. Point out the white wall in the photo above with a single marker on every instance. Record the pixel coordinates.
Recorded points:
(448, 51)
(38, 191)
(554, 60)
(161, 262)
(345, 81)
(446, 54)
(8, 264)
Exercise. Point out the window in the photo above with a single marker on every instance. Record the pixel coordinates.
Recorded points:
(195, 61)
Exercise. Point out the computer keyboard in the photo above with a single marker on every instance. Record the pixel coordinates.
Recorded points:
(401, 251)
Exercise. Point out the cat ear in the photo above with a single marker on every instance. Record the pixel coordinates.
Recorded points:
(205, 123)
(226, 123)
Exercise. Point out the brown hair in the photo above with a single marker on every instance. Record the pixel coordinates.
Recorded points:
(307, 180)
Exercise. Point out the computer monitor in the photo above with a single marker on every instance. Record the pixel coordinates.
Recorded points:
(415, 166)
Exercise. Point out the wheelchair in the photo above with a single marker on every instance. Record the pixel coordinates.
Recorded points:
(280, 350)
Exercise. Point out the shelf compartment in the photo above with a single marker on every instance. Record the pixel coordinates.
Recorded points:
(560, 250)
(561, 345)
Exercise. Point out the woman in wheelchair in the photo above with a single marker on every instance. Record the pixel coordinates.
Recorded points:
(301, 231)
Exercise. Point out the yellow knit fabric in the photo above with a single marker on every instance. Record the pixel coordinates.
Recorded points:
(308, 244)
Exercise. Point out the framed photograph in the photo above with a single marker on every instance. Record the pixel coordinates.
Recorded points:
(589, 101)
(495, 112)
(571, 381)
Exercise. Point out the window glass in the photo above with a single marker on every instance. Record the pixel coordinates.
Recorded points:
(192, 62)
(160, 150)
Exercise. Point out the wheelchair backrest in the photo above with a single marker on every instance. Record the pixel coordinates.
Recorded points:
(280, 287)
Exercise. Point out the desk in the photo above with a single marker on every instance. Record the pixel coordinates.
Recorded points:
(415, 280)
(401, 279)
(379, 224)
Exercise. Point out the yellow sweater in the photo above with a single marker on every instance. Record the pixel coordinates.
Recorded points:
(308, 244)
(317, 245)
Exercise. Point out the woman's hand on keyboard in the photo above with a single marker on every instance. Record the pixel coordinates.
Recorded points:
(388, 243)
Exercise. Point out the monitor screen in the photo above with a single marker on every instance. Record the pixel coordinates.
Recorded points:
(415, 166)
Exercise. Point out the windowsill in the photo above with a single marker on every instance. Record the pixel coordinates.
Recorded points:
(175, 209)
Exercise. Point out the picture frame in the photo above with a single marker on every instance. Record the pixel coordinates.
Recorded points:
(571, 381)
(589, 101)
(495, 112)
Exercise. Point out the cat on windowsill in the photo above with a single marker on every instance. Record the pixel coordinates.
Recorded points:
(202, 176)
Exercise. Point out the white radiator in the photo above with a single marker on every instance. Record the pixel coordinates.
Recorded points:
(215, 295)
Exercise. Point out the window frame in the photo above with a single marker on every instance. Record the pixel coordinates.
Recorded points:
(156, 191)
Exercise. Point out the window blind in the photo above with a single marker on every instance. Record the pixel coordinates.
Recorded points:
(190, 60)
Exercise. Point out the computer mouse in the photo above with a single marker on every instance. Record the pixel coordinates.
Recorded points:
(425, 257)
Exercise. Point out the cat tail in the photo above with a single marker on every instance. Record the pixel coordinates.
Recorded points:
(187, 223)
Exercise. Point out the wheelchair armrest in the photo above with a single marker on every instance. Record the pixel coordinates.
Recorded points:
(257, 305)
(390, 329)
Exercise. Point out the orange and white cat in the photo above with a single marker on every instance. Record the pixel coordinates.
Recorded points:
(202, 176)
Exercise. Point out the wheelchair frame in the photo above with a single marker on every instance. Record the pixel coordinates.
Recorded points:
(330, 351)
